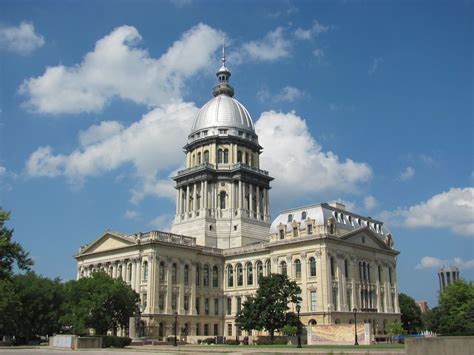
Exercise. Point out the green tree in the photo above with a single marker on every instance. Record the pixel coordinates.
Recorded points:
(431, 319)
(268, 309)
(9, 308)
(11, 252)
(411, 314)
(395, 328)
(457, 309)
(99, 302)
(41, 305)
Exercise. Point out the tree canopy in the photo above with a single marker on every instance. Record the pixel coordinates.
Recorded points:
(11, 252)
(457, 309)
(98, 302)
(268, 309)
(411, 314)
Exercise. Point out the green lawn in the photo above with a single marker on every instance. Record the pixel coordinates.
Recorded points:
(336, 347)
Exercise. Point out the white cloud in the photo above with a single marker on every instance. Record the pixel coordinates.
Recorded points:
(297, 161)
(453, 209)
(3, 171)
(21, 39)
(152, 145)
(99, 132)
(319, 53)
(311, 32)
(407, 174)
(428, 262)
(287, 94)
(162, 223)
(131, 215)
(370, 202)
(374, 65)
(272, 47)
(116, 68)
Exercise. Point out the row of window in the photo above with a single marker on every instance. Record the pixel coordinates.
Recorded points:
(222, 157)
(304, 215)
(339, 216)
(185, 329)
(309, 230)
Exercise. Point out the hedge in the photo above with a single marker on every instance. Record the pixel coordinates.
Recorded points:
(115, 342)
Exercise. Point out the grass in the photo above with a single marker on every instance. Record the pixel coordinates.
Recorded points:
(328, 346)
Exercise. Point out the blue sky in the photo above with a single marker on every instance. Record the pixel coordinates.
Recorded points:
(369, 103)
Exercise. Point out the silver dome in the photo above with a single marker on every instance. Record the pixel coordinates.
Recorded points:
(223, 112)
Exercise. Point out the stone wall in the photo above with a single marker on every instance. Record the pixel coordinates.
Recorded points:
(462, 345)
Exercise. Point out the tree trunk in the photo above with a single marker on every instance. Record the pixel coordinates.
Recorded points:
(272, 335)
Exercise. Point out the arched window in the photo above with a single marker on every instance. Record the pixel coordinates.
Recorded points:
(259, 267)
(240, 275)
(162, 271)
(222, 197)
(129, 272)
(111, 271)
(364, 270)
(297, 269)
(368, 272)
(174, 273)
(230, 276)
(199, 158)
(249, 274)
(226, 156)
(119, 272)
(220, 156)
(283, 268)
(215, 276)
(268, 267)
(198, 275)
(239, 156)
(145, 270)
(206, 156)
(303, 215)
(193, 160)
(312, 266)
(346, 268)
(186, 275)
(161, 330)
(205, 276)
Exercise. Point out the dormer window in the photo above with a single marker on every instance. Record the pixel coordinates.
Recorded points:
(241, 133)
(350, 219)
(295, 231)
(204, 133)
(290, 218)
(310, 229)
(282, 234)
(303, 215)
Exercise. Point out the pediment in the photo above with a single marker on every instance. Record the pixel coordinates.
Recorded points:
(364, 236)
(108, 241)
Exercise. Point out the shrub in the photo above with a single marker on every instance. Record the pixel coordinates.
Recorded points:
(209, 341)
(115, 342)
(267, 341)
(231, 342)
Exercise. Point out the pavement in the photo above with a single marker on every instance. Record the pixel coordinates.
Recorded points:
(193, 350)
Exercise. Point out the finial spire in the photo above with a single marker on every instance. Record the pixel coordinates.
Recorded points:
(223, 75)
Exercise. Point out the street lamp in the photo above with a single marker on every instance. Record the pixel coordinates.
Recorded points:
(298, 309)
(175, 329)
(355, 326)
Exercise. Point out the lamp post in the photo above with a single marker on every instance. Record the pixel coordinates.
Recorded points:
(175, 329)
(298, 309)
(355, 326)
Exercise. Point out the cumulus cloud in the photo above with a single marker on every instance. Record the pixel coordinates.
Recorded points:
(315, 30)
(20, 39)
(319, 54)
(162, 223)
(407, 174)
(3, 170)
(272, 47)
(117, 68)
(151, 145)
(453, 209)
(370, 202)
(428, 262)
(296, 160)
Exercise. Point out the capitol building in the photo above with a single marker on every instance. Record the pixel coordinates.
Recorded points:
(223, 240)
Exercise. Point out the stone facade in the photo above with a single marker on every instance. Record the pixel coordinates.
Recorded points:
(222, 242)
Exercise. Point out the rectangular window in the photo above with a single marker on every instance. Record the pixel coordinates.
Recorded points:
(198, 329)
(198, 306)
(173, 301)
(161, 301)
(346, 269)
(239, 304)
(282, 234)
(382, 302)
(310, 229)
(186, 302)
(295, 231)
(229, 329)
(313, 300)
(349, 299)
(334, 298)
(206, 306)
(144, 299)
(216, 306)
(206, 329)
(216, 329)
(229, 306)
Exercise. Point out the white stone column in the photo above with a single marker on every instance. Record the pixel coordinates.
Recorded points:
(342, 284)
(240, 204)
(258, 201)
(201, 197)
(187, 200)
(204, 196)
(180, 279)
(153, 284)
(178, 197)
(138, 270)
(304, 279)
(169, 288)
(194, 197)
(192, 280)
(132, 281)
(124, 270)
(251, 200)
